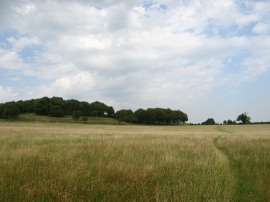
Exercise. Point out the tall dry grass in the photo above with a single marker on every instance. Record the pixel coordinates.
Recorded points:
(50, 162)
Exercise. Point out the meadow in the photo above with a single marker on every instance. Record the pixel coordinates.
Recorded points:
(83, 162)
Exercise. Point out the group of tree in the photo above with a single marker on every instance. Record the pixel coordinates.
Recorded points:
(242, 118)
(152, 116)
(55, 107)
(229, 122)
(209, 121)
(9, 110)
(58, 107)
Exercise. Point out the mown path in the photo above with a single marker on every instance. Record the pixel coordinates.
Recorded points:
(244, 186)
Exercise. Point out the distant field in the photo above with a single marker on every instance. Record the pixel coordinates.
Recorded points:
(68, 119)
(77, 162)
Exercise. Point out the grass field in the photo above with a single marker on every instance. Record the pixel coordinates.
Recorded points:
(77, 162)
(68, 119)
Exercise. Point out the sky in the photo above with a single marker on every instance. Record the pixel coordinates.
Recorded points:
(208, 58)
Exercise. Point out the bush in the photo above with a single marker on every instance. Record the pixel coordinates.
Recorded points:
(76, 115)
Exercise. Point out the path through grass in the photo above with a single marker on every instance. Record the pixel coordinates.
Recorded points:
(248, 151)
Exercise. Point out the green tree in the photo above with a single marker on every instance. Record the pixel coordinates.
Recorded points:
(57, 107)
(56, 111)
(110, 111)
(209, 121)
(180, 117)
(230, 122)
(160, 116)
(26, 106)
(100, 109)
(2, 106)
(42, 106)
(57, 101)
(125, 115)
(76, 115)
(244, 118)
(71, 106)
(84, 108)
(11, 110)
(141, 115)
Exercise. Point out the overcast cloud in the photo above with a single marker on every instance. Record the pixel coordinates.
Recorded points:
(208, 58)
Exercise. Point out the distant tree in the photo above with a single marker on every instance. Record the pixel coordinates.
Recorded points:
(97, 108)
(26, 106)
(230, 122)
(209, 121)
(76, 115)
(11, 110)
(29, 106)
(125, 115)
(42, 106)
(244, 118)
(110, 111)
(180, 116)
(57, 105)
(168, 116)
(150, 116)
(100, 109)
(141, 116)
(160, 116)
(84, 108)
(20, 105)
(225, 122)
(56, 111)
(1, 109)
(71, 106)
(57, 101)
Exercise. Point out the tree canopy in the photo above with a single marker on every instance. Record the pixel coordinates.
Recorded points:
(125, 115)
(209, 121)
(10, 110)
(160, 116)
(100, 109)
(244, 118)
(56, 107)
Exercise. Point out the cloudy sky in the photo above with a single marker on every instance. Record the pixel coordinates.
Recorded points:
(208, 58)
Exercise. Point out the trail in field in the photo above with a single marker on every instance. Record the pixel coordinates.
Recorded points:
(242, 186)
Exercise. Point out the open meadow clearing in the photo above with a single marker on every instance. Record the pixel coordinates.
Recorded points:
(77, 162)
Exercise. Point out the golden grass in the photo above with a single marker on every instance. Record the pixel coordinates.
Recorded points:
(72, 162)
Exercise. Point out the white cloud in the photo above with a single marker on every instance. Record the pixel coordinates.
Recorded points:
(11, 60)
(261, 28)
(18, 43)
(132, 54)
(80, 85)
(7, 94)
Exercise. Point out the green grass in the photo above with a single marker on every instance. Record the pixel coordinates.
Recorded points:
(248, 150)
(80, 162)
(67, 119)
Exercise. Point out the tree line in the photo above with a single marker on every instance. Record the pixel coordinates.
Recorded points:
(243, 118)
(158, 116)
(58, 107)
(55, 107)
